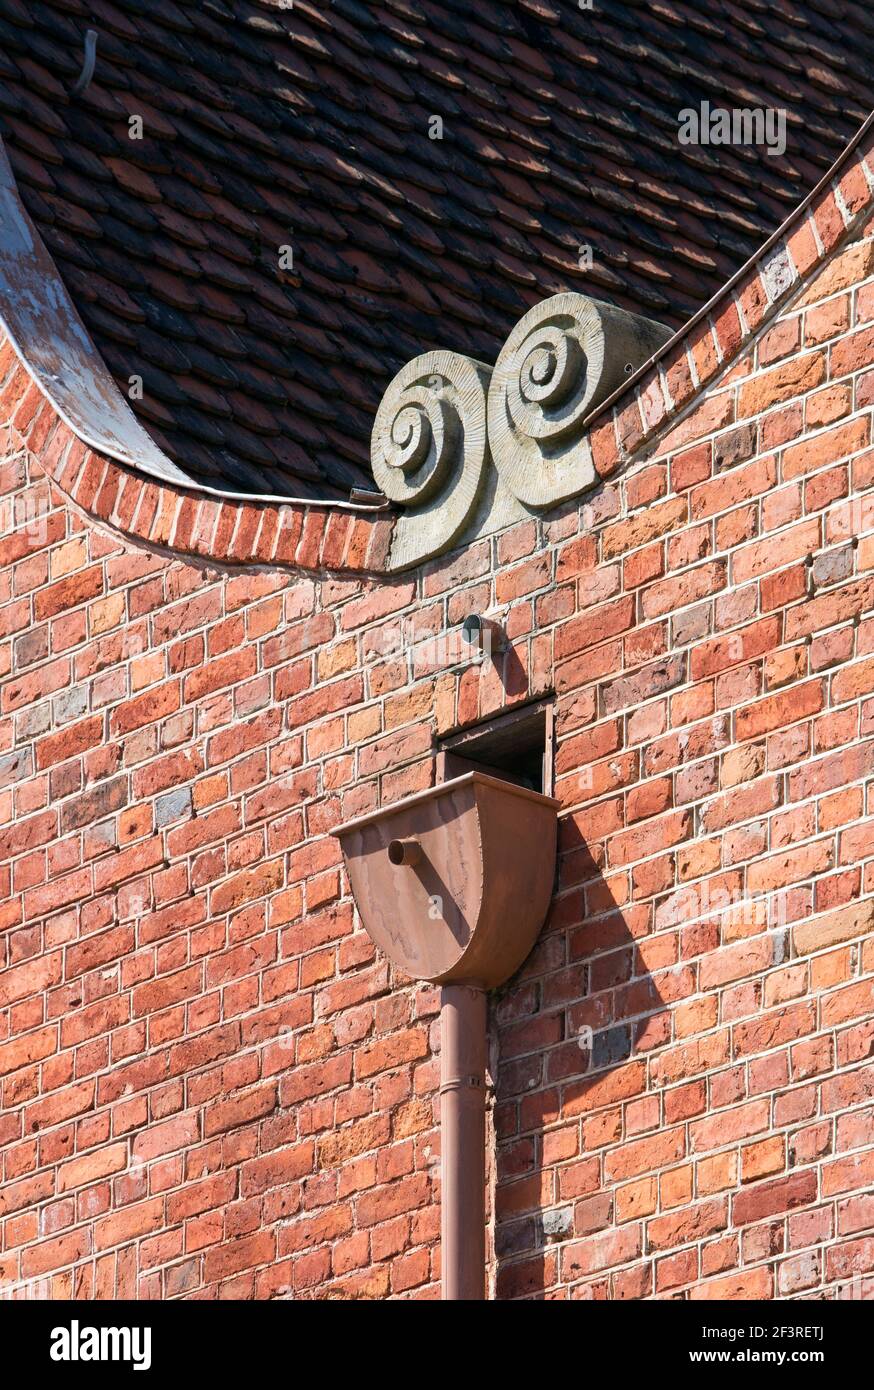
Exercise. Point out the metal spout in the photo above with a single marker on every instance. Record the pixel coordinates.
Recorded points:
(404, 851)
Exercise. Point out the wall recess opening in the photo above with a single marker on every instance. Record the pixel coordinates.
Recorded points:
(517, 747)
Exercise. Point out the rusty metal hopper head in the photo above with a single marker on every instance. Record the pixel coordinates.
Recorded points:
(453, 883)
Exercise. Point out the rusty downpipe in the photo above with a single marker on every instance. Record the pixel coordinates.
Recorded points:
(453, 885)
(463, 1015)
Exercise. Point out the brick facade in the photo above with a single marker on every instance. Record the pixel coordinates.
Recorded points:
(212, 1085)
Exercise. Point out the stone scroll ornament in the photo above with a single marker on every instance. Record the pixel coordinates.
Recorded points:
(429, 451)
(565, 357)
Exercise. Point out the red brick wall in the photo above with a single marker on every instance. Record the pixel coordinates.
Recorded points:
(210, 1083)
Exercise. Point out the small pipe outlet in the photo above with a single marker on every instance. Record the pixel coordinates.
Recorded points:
(482, 633)
(404, 851)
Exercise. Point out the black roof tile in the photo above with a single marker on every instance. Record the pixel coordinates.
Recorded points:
(308, 126)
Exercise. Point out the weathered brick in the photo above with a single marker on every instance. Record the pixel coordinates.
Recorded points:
(207, 1064)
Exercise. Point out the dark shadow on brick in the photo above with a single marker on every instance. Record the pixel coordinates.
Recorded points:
(581, 1009)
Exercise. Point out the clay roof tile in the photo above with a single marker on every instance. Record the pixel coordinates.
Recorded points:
(309, 127)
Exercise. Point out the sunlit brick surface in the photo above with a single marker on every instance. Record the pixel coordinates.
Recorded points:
(212, 1086)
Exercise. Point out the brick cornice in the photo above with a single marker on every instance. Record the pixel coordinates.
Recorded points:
(295, 535)
(672, 382)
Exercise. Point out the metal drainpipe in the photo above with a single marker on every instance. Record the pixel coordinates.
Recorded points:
(484, 850)
(463, 1014)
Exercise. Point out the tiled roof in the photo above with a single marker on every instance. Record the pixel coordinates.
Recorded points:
(267, 126)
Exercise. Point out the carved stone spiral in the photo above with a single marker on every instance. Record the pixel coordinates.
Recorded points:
(562, 359)
(429, 451)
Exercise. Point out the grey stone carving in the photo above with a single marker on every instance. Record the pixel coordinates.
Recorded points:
(445, 419)
(429, 451)
(562, 359)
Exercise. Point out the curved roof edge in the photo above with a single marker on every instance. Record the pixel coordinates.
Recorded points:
(42, 323)
(60, 398)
